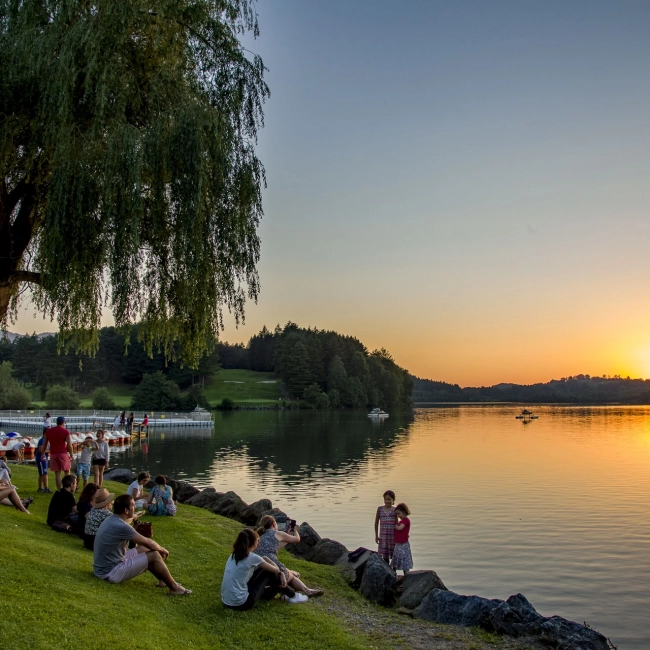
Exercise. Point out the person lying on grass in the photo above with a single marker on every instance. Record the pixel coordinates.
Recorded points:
(115, 564)
(249, 577)
(9, 497)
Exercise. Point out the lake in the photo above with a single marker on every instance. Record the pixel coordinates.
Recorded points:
(556, 508)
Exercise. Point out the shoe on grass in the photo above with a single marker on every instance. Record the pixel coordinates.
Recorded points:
(298, 598)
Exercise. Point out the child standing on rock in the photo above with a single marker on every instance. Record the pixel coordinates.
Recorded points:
(385, 521)
(402, 558)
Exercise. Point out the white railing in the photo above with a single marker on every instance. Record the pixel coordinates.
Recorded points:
(37, 415)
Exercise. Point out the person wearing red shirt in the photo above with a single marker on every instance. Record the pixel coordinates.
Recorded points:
(402, 559)
(60, 444)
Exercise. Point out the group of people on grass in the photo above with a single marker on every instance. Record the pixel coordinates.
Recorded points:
(253, 570)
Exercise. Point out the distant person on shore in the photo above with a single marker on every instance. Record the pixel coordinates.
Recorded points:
(62, 505)
(115, 564)
(84, 506)
(9, 496)
(136, 489)
(272, 540)
(129, 423)
(247, 576)
(47, 422)
(122, 419)
(402, 558)
(83, 464)
(116, 422)
(385, 521)
(19, 450)
(101, 510)
(145, 422)
(60, 447)
(101, 456)
(160, 500)
(42, 465)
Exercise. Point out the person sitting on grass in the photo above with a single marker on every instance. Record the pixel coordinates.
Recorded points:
(101, 510)
(62, 506)
(9, 497)
(84, 506)
(160, 498)
(115, 564)
(136, 489)
(247, 576)
(271, 540)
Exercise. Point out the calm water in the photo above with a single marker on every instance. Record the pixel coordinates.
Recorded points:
(557, 509)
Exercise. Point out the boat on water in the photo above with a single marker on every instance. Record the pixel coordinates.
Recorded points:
(526, 415)
(377, 413)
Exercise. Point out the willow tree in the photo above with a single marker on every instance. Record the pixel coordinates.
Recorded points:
(129, 174)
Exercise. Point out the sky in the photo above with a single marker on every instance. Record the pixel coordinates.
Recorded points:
(462, 183)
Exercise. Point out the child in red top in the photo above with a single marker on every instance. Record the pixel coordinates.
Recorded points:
(402, 559)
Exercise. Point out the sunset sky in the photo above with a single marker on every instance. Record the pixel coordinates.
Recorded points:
(463, 183)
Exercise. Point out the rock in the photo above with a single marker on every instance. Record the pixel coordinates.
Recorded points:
(204, 498)
(349, 569)
(121, 475)
(253, 513)
(227, 505)
(447, 607)
(173, 484)
(185, 491)
(328, 551)
(567, 635)
(276, 513)
(378, 581)
(513, 616)
(416, 585)
(308, 539)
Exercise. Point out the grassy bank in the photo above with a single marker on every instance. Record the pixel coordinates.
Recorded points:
(244, 387)
(55, 600)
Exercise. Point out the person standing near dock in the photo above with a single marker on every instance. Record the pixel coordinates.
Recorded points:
(60, 446)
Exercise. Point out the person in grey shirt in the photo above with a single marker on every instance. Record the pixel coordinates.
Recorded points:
(115, 564)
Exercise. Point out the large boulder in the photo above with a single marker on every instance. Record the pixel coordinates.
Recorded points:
(204, 498)
(378, 581)
(447, 607)
(328, 551)
(349, 569)
(120, 474)
(229, 505)
(560, 633)
(185, 491)
(416, 585)
(253, 513)
(305, 548)
(513, 616)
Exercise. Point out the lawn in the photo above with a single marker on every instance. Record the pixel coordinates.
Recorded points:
(52, 599)
(243, 387)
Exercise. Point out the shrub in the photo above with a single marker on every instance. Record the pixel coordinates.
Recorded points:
(62, 397)
(156, 393)
(193, 397)
(102, 400)
(12, 396)
(226, 404)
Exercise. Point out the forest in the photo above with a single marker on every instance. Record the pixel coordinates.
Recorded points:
(318, 368)
(579, 389)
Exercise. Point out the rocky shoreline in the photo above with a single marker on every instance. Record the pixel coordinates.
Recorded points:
(421, 594)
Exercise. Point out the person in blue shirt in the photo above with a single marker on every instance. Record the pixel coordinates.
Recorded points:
(42, 464)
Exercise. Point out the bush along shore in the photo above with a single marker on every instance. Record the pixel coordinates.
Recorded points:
(421, 594)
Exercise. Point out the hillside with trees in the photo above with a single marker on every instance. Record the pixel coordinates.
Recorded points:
(579, 389)
(316, 368)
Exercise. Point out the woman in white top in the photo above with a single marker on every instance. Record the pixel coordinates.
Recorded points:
(116, 422)
(47, 422)
(100, 459)
(247, 575)
(136, 489)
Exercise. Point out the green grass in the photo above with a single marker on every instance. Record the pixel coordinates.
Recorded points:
(243, 387)
(52, 598)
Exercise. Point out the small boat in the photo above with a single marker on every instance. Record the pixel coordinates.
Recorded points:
(377, 413)
(526, 415)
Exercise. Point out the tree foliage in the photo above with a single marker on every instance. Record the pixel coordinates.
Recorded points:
(62, 397)
(12, 395)
(129, 175)
(156, 393)
(102, 399)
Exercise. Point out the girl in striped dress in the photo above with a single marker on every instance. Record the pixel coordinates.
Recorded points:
(385, 521)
